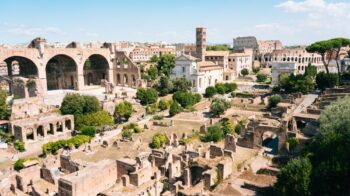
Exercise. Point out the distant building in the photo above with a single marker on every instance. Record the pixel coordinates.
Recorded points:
(240, 60)
(203, 68)
(143, 54)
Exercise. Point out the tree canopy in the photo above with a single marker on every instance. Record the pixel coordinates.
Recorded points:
(123, 110)
(219, 106)
(77, 104)
(165, 63)
(147, 95)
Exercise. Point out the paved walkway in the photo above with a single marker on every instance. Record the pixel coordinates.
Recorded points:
(308, 100)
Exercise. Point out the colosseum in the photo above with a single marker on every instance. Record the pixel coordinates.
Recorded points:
(47, 67)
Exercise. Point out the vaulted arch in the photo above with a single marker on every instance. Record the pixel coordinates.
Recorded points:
(95, 69)
(61, 72)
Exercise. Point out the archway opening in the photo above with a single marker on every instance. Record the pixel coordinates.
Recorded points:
(270, 142)
(30, 134)
(50, 131)
(95, 70)
(126, 80)
(40, 131)
(68, 124)
(118, 79)
(19, 68)
(59, 127)
(61, 73)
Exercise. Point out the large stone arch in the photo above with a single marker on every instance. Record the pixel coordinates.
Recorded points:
(61, 72)
(95, 69)
(21, 66)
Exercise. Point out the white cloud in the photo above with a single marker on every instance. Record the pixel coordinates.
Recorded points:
(317, 19)
(317, 8)
(23, 29)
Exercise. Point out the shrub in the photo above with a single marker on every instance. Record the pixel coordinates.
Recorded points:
(88, 130)
(244, 72)
(219, 106)
(260, 77)
(152, 109)
(210, 91)
(220, 88)
(163, 105)
(274, 100)
(19, 164)
(123, 110)
(19, 146)
(158, 117)
(134, 127)
(230, 87)
(238, 128)
(76, 141)
(256, 69)
(175, 108)
(127, 133)
(228, 128)
(215, 134)
(158, 140)
(186, 99)
(97, 119)
(242, 94)
(147, 96)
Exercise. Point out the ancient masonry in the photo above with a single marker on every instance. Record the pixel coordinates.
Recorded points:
(41, 67)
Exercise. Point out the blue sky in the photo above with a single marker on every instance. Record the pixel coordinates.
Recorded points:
(292, 22)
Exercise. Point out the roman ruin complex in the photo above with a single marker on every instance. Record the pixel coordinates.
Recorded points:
(47, 67)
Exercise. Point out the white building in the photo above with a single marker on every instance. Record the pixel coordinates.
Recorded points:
(143, 54)
(241, 60)
(201, 73)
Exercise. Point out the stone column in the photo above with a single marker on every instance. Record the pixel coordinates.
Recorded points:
(42, 79)
(64, 126)
(80, 75)
(187, 177)
(35, 134)
(54, 128)
(111, 76)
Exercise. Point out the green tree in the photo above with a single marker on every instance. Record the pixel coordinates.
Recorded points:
(323, 48)
(77, 104)
(220, 88)
(5, 111)
(19, 146)
(91, 104)
(228, 128)
(165, 86)
(88, 130)
(123, 110)
(147, 96)
(294, 178)
(230, 87)
(310, 71)
(175, 108)
(219, 106)
(152, 72)
(261, 77)
(215, 134)
(182, 84)
(158, 140)
(166, 62)
(154, 59)
(324, 80)
(210, 91)
(274, 100)
(244, 72)
(163, 105)
(97, 119)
